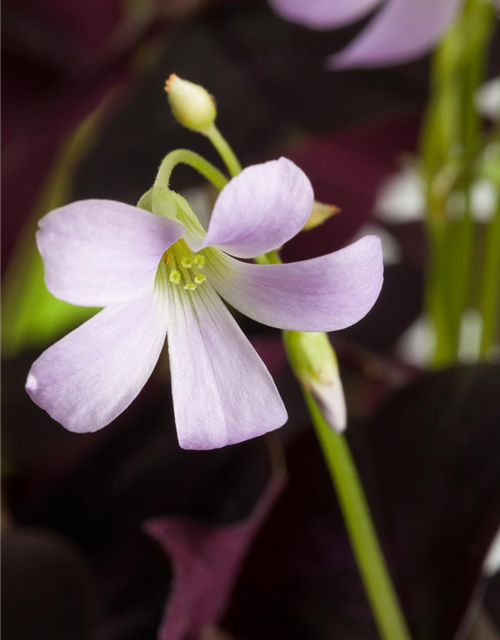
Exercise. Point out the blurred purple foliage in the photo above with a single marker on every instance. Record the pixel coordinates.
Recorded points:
(206, 562)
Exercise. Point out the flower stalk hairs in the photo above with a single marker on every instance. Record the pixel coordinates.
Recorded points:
(158, 272)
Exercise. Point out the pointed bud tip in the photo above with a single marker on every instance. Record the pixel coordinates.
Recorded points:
(314, 363)
(320, 214)
(191, 104)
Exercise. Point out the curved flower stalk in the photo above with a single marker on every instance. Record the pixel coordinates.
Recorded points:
(159, 275)
(400, 31)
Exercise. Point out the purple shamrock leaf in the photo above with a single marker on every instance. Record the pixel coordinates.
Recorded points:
(206, 562)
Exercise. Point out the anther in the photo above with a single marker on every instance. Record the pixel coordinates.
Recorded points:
(175, 277)
(183, 266)
(199, 261)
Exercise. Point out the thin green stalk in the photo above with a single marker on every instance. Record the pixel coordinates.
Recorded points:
(489, 303)
(362, 534)
(194, 160)
(435, 301)
(459, 253)
(226, 153)
(439, 131)
(369, 557)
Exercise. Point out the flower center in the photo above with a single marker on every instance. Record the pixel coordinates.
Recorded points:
(183, 266)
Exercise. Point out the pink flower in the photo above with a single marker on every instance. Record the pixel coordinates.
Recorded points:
(159, 275)
(401, 30)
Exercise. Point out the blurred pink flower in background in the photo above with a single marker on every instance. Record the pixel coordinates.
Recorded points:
(400, 31)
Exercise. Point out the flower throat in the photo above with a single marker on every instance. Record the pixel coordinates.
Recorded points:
(184, 267)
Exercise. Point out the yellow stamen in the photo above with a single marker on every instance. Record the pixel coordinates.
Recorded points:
(199, 261)
(182, 266)
(175, 277)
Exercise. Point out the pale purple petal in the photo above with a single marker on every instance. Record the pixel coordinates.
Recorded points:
(323, 294)
(401, 31)
(323, 14)
(260, 209)
(101, 252)
(89, 377)
(222, 391)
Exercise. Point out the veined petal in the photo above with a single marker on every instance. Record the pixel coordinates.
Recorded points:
(222, 391)
(401, 31)
(260, 209)
(323, 294)
(99, 252)
(323, 14)
(88, 378)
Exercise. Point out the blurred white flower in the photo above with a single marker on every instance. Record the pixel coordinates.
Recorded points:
(487, 100)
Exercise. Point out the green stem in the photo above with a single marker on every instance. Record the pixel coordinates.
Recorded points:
(451, 138)
(374, 573)
(362, 533)
(476, 26)
(194, 160)
(369, 557)
(226, 153)
(435, 301)
(489, 303)
(460, 245)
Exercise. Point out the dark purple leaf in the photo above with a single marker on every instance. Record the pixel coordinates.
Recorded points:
(206, 561)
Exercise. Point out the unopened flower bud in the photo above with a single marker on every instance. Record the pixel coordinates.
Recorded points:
(191, 104)
(320, 214)
(314, 363)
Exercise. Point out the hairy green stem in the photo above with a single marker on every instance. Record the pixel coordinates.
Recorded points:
(194, 160)
(226, 153)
